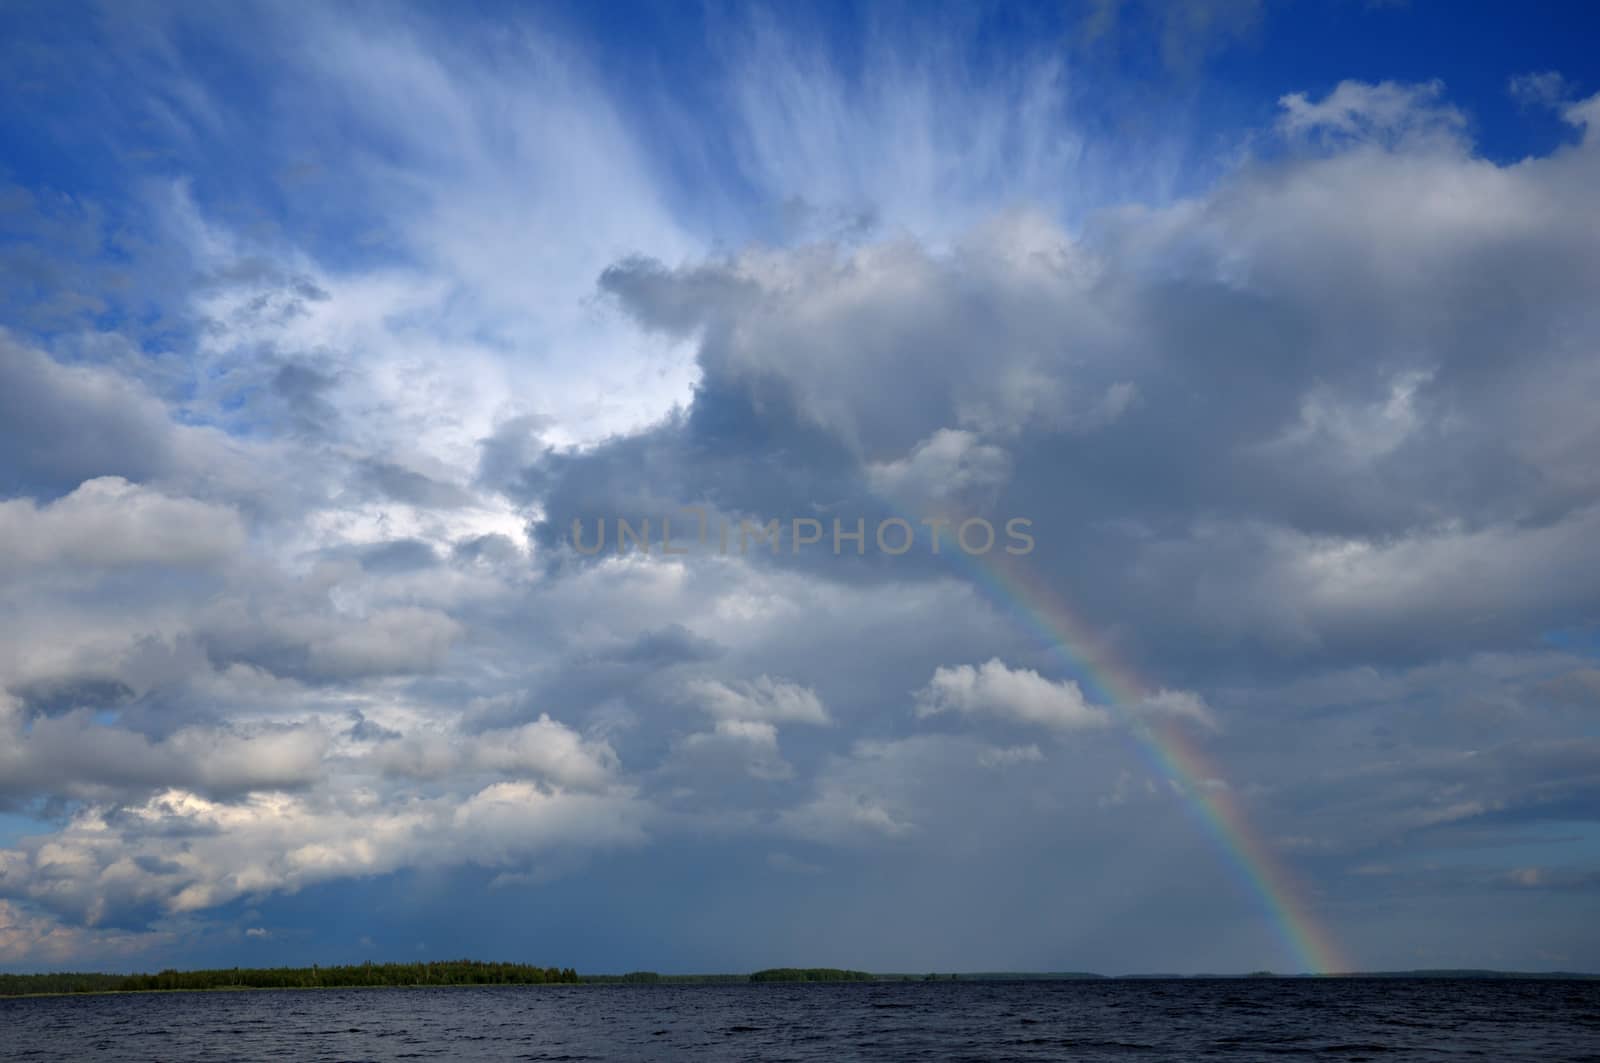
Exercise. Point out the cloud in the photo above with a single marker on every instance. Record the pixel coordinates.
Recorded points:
(844, 814)
(948, 462)
(30, 938)
(1547, 88)
(750, 746)
(763, 699)
(178, 852)
(544, 749)
(1010, 756)
(398, 639)
(108, 522)
(1017, 695)
(744, 739)
(916, 138)
(1387, 112)
(1179, 705)
(109, 427)
(823, 327)
(74, 756)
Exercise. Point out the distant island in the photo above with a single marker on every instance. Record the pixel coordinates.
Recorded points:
(479, 973)
(811, 974)
(771, 974)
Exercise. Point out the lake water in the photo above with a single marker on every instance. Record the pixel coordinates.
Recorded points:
(1091, 1020)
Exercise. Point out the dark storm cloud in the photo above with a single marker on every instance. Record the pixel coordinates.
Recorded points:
(1228, 429)
(60, 426)
(52, 697)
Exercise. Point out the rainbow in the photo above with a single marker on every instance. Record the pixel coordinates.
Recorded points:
(1171, 753)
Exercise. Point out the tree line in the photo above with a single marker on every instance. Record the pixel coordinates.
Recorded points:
(810, 974)
(447, 973)
(451, 972)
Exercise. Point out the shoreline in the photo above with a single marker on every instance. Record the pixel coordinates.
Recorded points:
(745, 980)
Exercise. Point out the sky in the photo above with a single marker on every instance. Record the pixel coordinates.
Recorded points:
(1260, 335)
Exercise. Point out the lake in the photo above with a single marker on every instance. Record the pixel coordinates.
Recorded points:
(1080, 1020)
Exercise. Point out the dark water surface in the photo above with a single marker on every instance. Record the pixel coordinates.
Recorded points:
(1090, 1020)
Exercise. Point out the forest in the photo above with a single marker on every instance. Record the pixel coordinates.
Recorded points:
(450, 972)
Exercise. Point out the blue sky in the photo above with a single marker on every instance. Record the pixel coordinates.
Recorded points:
(322, 324)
